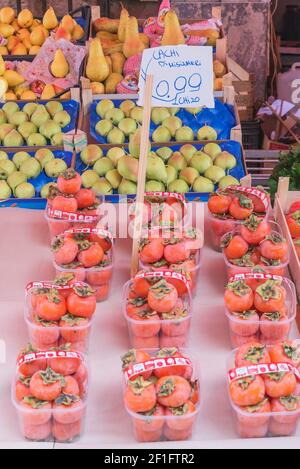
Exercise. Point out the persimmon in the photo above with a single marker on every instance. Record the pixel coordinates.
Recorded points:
(285, 405)
(183, 422)
(140, 395)
(149, 424)
(175, 251)
(151, 250)
(37, 432)
(64, 366)
(144, 436)
(65, 250)
(132, 357)
(255, 230)
(280, 384)
(41, 411)
(43, 333)
(269, 297)
(22, 388)
(85, 198)
(46, 385)
(275, 325)
(74, 328)
(102, 292)
(247, 391)
(286, 352)
(274, 247)
(255, 414)
(146, 323)
(234, 246)
(282, 429)
(295, 207)
(66, 432)
(65, 204)
(179, 370)
(29, 368)
(82, 302)
(245, 323)
(238, 296)
(239, 340)
(70, 386)
(90, 254)
(177, 435)
(52, 307)
(246, 431)
(145, 342)
(69, 182)
(293, 222)
(252, 353)
(101, 275)
(68, 408)
(176, 322)
(141, 287)
(241, 207)
(173, 391)
(162, 297)
(167, 341)
(219, 203)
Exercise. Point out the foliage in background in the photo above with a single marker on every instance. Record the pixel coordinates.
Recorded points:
(288, 166)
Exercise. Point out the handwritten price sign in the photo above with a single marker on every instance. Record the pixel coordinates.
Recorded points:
(182, 76)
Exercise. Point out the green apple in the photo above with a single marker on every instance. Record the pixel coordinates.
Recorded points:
(102, 187)
(116, 136)
(49, 128)
(103, 127)
(164, 153)
(7, 167)
(228, 181)
(31, 168)
(5, 190)
(104, 106)
(203, 185)
(201, 162)
(46, 189)
(10, 108)
(20, 157)
(90, 154)
(103, 165)
(25, 190)
(13, 139)
(184, 134)
(26, 129)
(114, 154)
(89, 178)
(53, 107)
(16, 178)
(36, 140)
(18, 118)
(179, 186)
(115, 116)
(207, 133)
(43, 155)
(55, 167)
(214, 173)
(212, 149)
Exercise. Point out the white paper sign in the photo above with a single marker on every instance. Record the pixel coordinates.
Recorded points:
(182, 76)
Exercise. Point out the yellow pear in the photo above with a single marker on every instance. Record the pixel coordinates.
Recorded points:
(23, 34)
(27, 44)
(7, 15)
(48, 92)
(2, 65)
(97, 88)
(3, 50)
(68, 23)
(109, 63)
(35, 23)
(3, 87)
(15, 24)
(19, 49)
(59, 67)
(50, 20)
(6, 30)
(97, 68)
(10, 96)
(34, 50)
(37, 36)
(173, 36)
(12, 41)
(77, 33)
(124, 16)
(28, 95)
(112, 82)
(25, 18)
(133, 44)
(19, 90)
(13, 78)
(118, 60)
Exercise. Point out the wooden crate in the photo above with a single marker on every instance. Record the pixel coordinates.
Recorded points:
(284, 198)
(243, 84)
(260, 164)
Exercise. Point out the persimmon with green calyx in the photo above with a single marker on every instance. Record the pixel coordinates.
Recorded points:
(73, 406)
(241, 207)
(175, 250)
(82, 302)
(253, 353)
(90, 254)
(255, 229)
(64, 366)
(286, 352)
(238, 296)
(173, 391)
(151, 250)
(235, 247)
(293, 222)
(40, 411)
(74, 328)
(134, 356)
(69, 182)
(46, 385)
(269, 297)
(52, 306)
(140, 395)
(65, 250)
(274, 247)
(247, 391)
(162, 297)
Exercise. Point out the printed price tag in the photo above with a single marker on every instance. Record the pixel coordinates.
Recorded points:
(98, 231)
(72, 217)
(182, 76)
(164, 274)
(256, 276)
(29, 357)
(261, 369)
(154, 364)
(53, 286)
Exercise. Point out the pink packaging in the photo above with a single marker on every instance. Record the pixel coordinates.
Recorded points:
(163, 10)
(128, 85)
(132, 65)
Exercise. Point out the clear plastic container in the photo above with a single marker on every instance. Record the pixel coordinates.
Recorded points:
(163, 421)
(60, 416)
(232, 269)
(149, 328)
(71, 329)
(269, 328)
(262, 421)
(98, 277)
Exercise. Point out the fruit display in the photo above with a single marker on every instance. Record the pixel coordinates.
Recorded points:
(113, 122)
(259, 307)
(88, 254)
(255, 245)
(186, 169)
(264, 389)
(293, 223)
(28, 175)
(232, 206)
(175, 249)
(49, 394)
(157, 309)
(24, 35)
(59, 313)
(36, 124)
(161, 394)
(71, 204)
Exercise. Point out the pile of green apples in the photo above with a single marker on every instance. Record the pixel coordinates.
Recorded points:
(186, 170)
(15, 173)
(33, 125)
(118, 123)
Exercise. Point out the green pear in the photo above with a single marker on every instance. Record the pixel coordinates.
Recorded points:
(55, 167)
(115, 116)
(25, 190)
(5, 129)
(31, 168)
(154, 186)
(5, 190)
(57, 139)
(203, 185)
(39, 117)
(228, 181)
(212, 149)
(16, 178)
(188, 151)
(114, 154)
(10, 108)
(116, 137)
(164, 153)
(137, 113)
(43, 155)
(189, 175)
(26, 129)
(178, 161)
(207, 133)
(215, 174)
(103, 127)
(3, 118)
(45, 190)
(225, 160)
(194, 110)
(36, 140)
(161, 134)
(158, 114)
(184, 134)
(13, 139)
(20, 157)
(127, 125)
(113, 178)
(90, 154)
(127, 187)
(128, 168)
(179, 186)
(3, 155)
(104, 106)
(173, 110)
(53, 107)
(89, 178)
(172, 174)
(134, 146)
(156, 169)
(102, 187)
(62, 118)
(18, 118)
(201, 162)
(127, 106)
(103, 165)
(172, 123)
(29, 108)
(49, 128)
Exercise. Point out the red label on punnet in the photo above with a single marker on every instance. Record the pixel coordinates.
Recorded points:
(44, 355)
(261, 369)
(165, 195)
(167, 274)
(70, 216)
(53, 286)
(256, 276)
(154, 364)
(98, 231)
(252, 191)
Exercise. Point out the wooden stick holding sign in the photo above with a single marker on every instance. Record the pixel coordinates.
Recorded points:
(144, 151)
